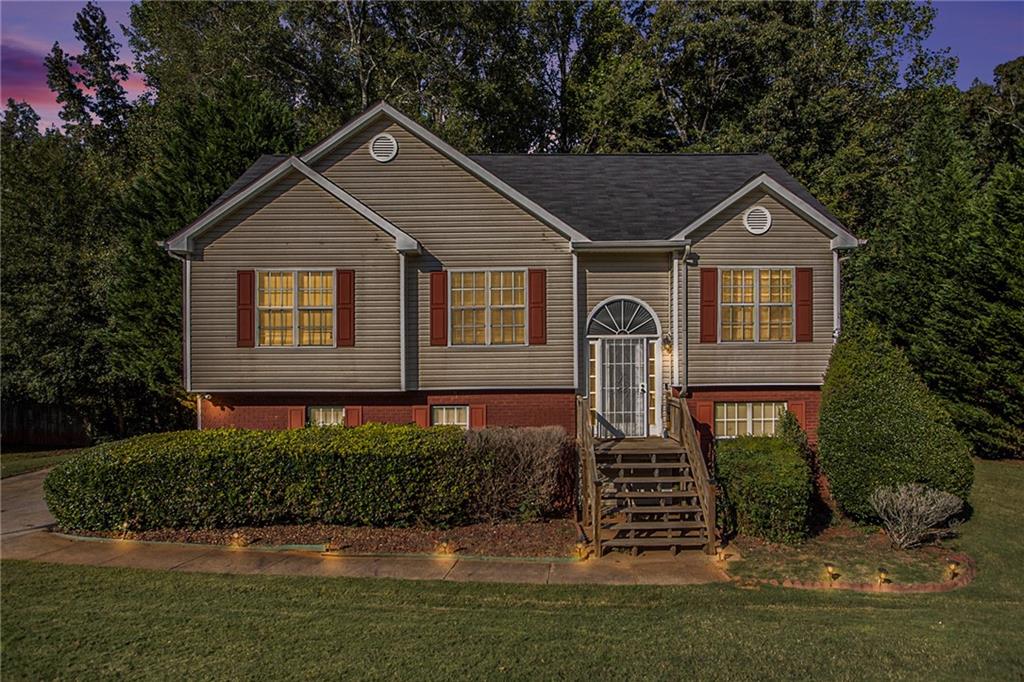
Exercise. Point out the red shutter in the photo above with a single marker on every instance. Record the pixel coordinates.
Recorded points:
(538, 307)
(804, 304)
(353, 416)
(345, 321)
(439, 308)
(799, 410)
(706, 413)
(296, 417)
(477, 416)
(245, 322)
(708, 305)
(421, 415)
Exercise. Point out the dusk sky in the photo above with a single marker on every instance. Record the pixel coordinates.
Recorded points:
(981, 34)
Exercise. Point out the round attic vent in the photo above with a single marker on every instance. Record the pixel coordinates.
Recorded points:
(383, 148)
(757, 220)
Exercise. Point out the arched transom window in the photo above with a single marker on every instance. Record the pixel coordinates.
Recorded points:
(622, 316)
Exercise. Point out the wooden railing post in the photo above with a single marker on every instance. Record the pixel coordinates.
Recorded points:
(683, 431)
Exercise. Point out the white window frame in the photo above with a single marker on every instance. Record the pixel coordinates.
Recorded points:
(296, 308)
(757, 303)
(487, 308)
(334, 410)
(449, 407)
(750, 415)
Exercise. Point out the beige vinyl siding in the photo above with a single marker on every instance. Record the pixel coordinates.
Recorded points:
(791, 241)
(647, 277)
(461, 223)
(295, 224)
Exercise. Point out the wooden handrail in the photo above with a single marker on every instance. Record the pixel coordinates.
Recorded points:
(682, 431)
(590, 487)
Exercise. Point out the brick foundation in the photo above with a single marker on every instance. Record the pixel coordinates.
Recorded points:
(804, 402)
(502, 408)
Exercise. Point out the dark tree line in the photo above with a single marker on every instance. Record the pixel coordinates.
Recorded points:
(845, 95)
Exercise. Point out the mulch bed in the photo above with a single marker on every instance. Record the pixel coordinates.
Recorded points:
(540, 539)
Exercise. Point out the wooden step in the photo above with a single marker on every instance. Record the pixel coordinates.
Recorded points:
(654, 542)
(654, 494)
(644, 465)
(656, 525)
(653, 479)
(660, 509)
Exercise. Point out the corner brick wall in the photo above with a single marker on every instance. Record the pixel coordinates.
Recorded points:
(270, 411)
(810, 396)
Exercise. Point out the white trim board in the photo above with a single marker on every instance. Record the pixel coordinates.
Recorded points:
(841, 238)
(455, 156)
(182, 242)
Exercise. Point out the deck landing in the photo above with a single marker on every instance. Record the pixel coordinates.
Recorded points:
(644, 446)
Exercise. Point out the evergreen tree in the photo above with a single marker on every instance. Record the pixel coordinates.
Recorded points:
(215, 138)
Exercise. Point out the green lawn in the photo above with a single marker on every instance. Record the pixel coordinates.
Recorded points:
(14, 463)
(70, 622)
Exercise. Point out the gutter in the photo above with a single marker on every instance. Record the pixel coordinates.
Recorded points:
(632, 245)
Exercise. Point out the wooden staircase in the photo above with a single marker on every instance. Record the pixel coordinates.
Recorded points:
(648, 493)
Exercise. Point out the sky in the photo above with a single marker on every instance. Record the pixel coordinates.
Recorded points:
(981, 34)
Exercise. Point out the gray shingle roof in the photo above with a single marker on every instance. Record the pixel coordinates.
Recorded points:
(611, 197)
(253, 173)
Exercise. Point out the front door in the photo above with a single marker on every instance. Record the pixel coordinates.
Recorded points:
(623, 388)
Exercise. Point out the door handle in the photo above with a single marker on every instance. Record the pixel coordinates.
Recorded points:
(643, 388)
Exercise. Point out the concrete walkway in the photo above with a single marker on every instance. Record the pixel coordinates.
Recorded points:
(24, 517)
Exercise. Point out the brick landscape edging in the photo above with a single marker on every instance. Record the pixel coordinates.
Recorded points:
(968, 570)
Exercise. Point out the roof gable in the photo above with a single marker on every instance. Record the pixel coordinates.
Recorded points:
(467, 163)
(182, 241)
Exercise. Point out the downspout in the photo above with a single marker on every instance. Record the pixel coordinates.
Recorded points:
(186, 323)
(685, 318)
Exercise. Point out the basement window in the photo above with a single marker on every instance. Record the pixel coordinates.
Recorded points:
(326, 416)
(450, 415)
(747, 419)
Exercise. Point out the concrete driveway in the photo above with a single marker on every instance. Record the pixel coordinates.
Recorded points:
(22, 507)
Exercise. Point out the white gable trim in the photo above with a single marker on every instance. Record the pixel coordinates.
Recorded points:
(841, 239)
(453, 155)
(182, 242)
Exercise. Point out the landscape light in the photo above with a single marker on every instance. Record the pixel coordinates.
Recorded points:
(883, 576)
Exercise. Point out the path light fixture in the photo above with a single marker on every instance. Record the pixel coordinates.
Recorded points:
(582, 550)
(883, 576)
(831, 570)
(124, 530)
(445, 547)
(953, 566)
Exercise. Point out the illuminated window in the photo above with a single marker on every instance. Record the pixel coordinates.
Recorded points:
(326, 416)
(296, 308)
(757, 304)
(747, 419)
(488, 308)
(450, 415)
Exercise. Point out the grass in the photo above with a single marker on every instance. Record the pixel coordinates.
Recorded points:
(78, 622)
(14, 463)
(857, 552)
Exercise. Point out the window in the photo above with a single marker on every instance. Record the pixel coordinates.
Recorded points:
(296, 308)
(652, 383)
(488, 308)
(450, 415)
(592, 381)
(757, 304)
(747, 419)
(326, 416)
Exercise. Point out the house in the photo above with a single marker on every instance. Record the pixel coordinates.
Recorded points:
(383, 275)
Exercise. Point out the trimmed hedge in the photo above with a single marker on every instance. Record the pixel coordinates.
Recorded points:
(880, 426)
(766, 487)
(376, 475)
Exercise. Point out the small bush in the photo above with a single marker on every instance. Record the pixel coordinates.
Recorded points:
(522, 473)
(766, 486)
(913, 514)
(377, 475)
(881, 427)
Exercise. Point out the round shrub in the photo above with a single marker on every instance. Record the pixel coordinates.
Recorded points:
(880, 426)
(766, 486)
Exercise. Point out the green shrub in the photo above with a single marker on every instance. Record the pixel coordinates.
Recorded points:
(881, 427)
(372, 475)
(766, 487)
(522, 473)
